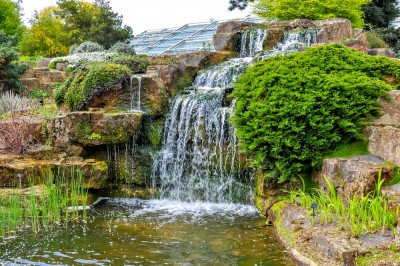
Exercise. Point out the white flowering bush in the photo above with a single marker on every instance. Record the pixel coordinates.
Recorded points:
(76, 59)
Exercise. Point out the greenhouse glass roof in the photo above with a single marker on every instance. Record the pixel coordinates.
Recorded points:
(185, 39)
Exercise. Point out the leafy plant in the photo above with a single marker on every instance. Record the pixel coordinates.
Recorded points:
(40, 94)
(292, 110)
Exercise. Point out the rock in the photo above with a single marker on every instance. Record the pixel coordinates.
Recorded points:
(351, 176)
(310, 244)
(42, 78)
(384, 142)
(301, 24)
(123, 97)
(44, 62)
(382, 52)
(94, 128)
(390, 110)
(268, 191)
(358, 45)
(334, 30)
(226, 34)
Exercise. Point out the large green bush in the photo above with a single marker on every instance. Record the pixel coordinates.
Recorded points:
(291, 110)
(84, 80)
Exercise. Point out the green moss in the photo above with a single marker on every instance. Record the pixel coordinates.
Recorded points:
(95, 136)
(350, 149)
(396, 177)
(80, 85)
(83, 129)
(379, 256)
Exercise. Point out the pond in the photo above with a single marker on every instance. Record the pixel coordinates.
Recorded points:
(153, 232)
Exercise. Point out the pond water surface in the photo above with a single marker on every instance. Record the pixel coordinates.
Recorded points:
(153, 232)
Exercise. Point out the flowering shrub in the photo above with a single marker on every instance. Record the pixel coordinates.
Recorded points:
(88, 47)
(122, 48)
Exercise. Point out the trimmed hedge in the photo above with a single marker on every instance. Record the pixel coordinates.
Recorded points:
(292, 110)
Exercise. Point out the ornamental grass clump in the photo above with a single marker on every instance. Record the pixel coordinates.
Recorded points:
(55, 205)
(293, 110)
(368, 214)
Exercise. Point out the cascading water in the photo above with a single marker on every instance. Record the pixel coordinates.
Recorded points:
(252, 41)
(200, 159)
(136, 93)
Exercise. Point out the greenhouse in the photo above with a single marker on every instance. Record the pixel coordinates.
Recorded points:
(188, 38)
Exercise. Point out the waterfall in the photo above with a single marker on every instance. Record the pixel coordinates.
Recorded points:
(252, 41)
(199, 160)
(135, 93)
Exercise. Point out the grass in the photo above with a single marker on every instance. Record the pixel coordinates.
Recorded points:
(349, 149)
(39, 211)
(368, 214)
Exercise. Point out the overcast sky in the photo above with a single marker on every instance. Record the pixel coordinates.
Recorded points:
(144, 15)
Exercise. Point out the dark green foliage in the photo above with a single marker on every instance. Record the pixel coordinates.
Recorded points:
(239, 4)
(380, 13)
(391, 36)
(81, 83)
(292, 110)
(10, 70)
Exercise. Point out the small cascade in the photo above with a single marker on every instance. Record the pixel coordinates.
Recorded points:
(199, 160)
(135, 93)
(292, 41)
(252, 41)
(222, 75)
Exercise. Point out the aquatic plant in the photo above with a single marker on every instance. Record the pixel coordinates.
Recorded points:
(51, 205)
(363, 215)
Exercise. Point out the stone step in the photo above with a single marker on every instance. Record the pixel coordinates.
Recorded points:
(384, 142)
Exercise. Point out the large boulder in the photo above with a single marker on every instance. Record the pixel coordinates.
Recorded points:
(384, 142)
(390, 110)
(382, 52)
(226, 35)
(93, 128)
(353, 176)
(334, 30)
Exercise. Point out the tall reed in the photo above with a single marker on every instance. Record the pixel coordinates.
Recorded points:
(56, 204)
(359, 215)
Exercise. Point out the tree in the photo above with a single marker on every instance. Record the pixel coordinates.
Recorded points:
(311, 9)
(47, 36)
(10, 18)
(9, 70)
(107, 28)
(380, 13)
(93, 22)
(239, 4)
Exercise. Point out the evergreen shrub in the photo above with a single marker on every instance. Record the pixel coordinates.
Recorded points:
(292, 110)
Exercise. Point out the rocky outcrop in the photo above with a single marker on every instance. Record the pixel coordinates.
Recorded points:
(42, 78)
(382, 52)
(310, 244)
(334, 30)
(93, 128)
(384, 142)
(226, 35)
(384, 132)
(352, 176)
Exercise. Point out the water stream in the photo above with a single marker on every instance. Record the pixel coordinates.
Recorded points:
(205, 214)
(153, 232)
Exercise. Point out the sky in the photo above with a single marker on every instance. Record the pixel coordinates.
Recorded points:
(144, 15)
